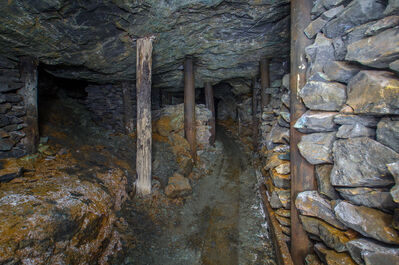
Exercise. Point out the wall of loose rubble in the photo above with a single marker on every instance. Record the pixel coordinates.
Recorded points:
(12, 110)
(351, 135)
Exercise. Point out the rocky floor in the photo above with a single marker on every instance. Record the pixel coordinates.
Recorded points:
(221, 223)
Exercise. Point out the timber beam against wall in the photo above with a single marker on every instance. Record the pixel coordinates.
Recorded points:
(189, 105)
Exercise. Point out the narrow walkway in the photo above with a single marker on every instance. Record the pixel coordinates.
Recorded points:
(221, 223)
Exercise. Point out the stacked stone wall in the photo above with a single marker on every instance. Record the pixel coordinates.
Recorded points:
(351, 132)
(12, 110)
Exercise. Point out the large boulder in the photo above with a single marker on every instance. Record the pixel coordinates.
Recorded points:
(369, 197)
(316, 148)
(310, 203)
(374, 92)
(376, 51)
(368, 222)
(372, 252)
(361, 162)
(319, 52)
(314, 121)
(388, 133)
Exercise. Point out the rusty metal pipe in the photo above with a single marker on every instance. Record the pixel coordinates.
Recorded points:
(189, 105)
(302, 173)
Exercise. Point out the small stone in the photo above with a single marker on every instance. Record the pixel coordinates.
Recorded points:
(4, 108)
(283, 220)
(282, 122)
(285, 82)
(347, 119)
(284, 169)
(312, 259)
(316, 148)
(285, 116)
(283, 212)
(310, 203)
(285, 229)
(273, 161)
(280, 198)
(361, 247)
(319, 95)
(366, 167)
(376, 51)
(277, 135)
(331, 236)
(367, 221)
(388, 133)
(333, 12)
(323, 181)
(356, 13)
(279, 180)
(340, 71)
(369, 197)
(178, 186)
(395, 220)
(374, 92)
(313, 121)
(394, 170)
(6, 144)
(314, 27)
(394, 66)
(355, 130)
(346, 109)
(330, 257)
(382, 24)
(285, 99)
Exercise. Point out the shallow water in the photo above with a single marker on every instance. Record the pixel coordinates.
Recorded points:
(221, 223)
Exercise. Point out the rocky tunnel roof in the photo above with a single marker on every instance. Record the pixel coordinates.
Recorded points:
(95, 39)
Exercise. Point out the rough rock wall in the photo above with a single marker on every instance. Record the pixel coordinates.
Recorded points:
(351, 132)
(12, 110)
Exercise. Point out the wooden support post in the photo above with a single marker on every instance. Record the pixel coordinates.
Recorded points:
(302, 173)
(264, 82)
(29, 77)
(254, 117)
(210, 104)
(144, 130)
(189, 106)
(127, 90)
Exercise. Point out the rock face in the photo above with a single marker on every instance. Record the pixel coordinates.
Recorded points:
(376, 51)
(364, 168)
(97, 38)
(316, 147)
(340, 71)
(388, 133)
(60, 220)
(374, 92)
(373, 198)
(367, 221)
(372, 252)
(310, 203)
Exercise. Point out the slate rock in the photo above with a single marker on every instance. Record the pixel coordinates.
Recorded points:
(314, 27)
(355, 130)
(376, 51)
(285, 82)
(283, 212)
(331, 236)
(280, 198)
(273, 161)
(284, 168)
(361, 162)
(316, 148)
(330, 257)
(374, 92)
(369, 197)
(6, 144)
(367, 221)
(392, 8)
(394, 170)
(356, 13)
(321, 51)
(348, 119)
(320, 95)
(324, 186)
(388, 133)
(382, 24)
(310, 203)
(312, 259)
(362, 247)
(395, 220)
(340, 71)
(277, 135)
(279, 180)
(394, 66)
(314, 121)
(283, 221)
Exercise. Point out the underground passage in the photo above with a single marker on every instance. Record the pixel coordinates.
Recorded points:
(184, 132)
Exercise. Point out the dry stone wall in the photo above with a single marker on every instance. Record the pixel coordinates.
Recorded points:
(352, 132)
(12, 110)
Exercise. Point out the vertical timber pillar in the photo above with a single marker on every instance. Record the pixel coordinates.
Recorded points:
(29, 77)
(144, 130)
(189, 105)
(210, 104)
(254, 117)
(264, 82)
(302, 173)
(127, 91)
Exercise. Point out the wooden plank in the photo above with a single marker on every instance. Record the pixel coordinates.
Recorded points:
(210, 104)
(302, 173)
(29, 78)
(127, 91)
(189, 106)
(144, 129)
(282, 253)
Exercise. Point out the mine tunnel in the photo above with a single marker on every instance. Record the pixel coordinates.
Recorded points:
(199, 132)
